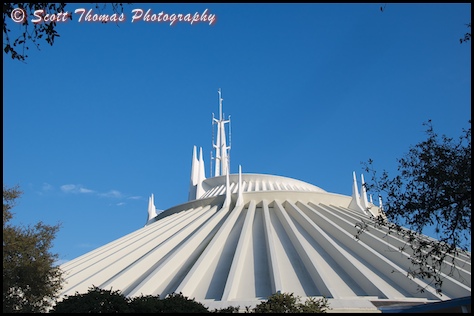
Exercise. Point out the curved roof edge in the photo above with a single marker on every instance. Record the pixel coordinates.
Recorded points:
(219, 200)
(255, 182)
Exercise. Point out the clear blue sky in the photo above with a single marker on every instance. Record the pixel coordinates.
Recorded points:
(110, 114)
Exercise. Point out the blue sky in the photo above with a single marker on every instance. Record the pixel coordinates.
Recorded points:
(110, 114)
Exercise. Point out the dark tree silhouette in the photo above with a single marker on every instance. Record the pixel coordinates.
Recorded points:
(432, 190)
(19, 33)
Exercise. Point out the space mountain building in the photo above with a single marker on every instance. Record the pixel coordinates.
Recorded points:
(243, 237)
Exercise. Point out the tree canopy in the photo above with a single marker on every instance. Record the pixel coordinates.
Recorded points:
(431, 191)
(290, 303)
(98, 300)
(17, 41)
(16, 44)
(31, 280)
(467, 35)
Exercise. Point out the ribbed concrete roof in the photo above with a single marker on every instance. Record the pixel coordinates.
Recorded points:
(255, 183)
(241, 238)
(298, 240)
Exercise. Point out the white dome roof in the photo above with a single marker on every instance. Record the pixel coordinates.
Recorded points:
(295, 241)
(255, 183)
(243, 237)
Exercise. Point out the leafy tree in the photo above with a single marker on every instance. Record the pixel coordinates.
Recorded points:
(146, 304)
(432, 190)
(278, 303)
(96, 300)
(289, 303)
(464, 39)
(178, 303)
(31, 280)
(313, 305)
(229, 309)
(17, 43)
(467, 35)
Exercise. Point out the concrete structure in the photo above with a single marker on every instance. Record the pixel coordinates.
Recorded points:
(242, 237)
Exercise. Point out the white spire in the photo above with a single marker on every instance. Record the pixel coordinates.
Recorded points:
(198, 176)
(380, 209)
(151, 208)
(355, 201)
(222, 150)
(201, 176)
(228, 194)
(194, 176)
(196, 189)
(240, 197)
(363, 198)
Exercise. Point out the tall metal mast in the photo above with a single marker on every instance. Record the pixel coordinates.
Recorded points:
(222, 150)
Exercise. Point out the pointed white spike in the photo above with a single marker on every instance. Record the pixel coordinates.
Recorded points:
(222, 150)
(151, 208)
(194, 167)
(202, 173)
(380, 211)
(240, 198)
(194, 176)
(201, 176)
(228, 195)
(363, 195)
(355, 190)
(355, 201)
